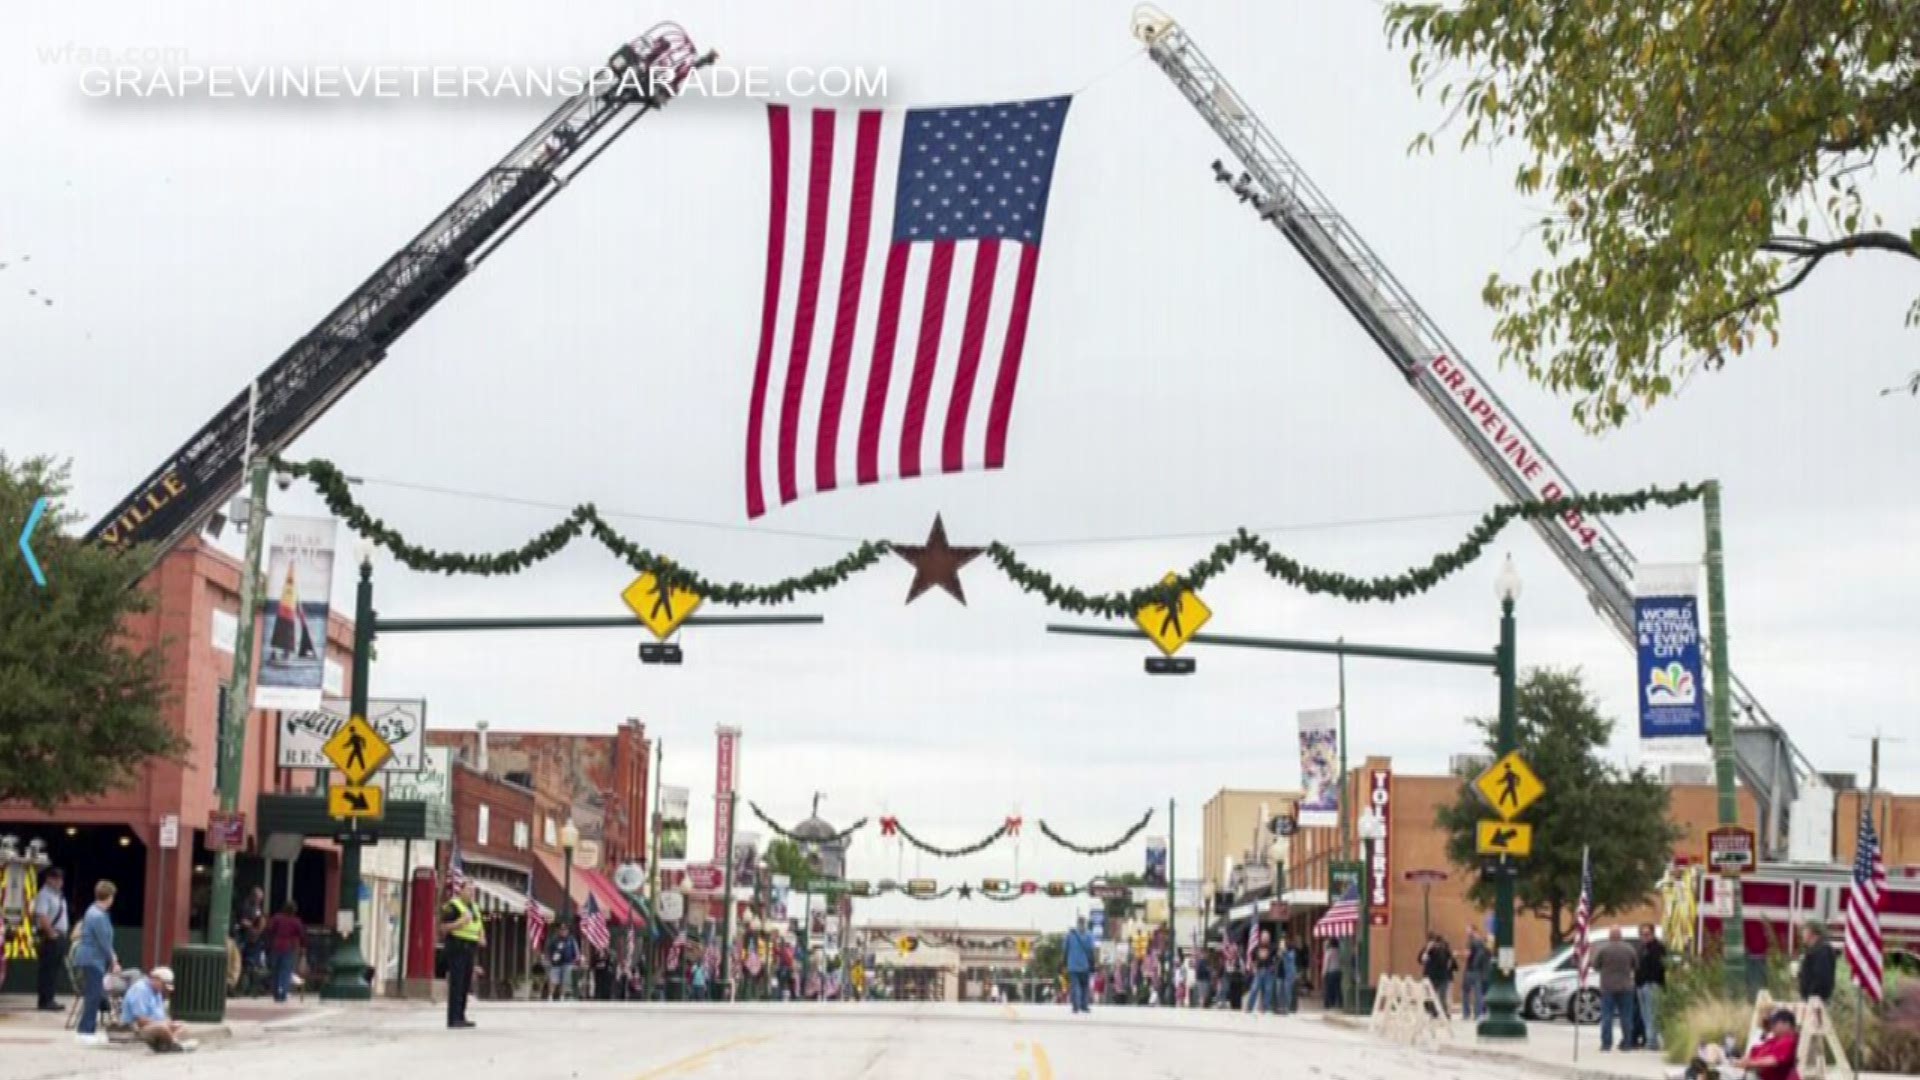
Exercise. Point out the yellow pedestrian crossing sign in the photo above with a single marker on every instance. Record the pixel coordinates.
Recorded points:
(1171, 627)
(662, 612)
(1509, 786)
(1503, 838)
(354, 802)
(357, 750)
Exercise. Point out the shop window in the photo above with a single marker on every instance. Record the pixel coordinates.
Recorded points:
(522, 836)
(480, 833)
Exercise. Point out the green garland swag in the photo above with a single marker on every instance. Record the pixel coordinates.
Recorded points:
(1103, 849)
(941, 895)
(953, 853)
(336, 491)
(840, 837)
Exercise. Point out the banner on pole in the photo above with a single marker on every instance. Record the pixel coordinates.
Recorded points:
(1319, 769)
(725, 776)
(1666, 624)
(401, 722)
(1156, 870)
(294, 653)
(673, 822)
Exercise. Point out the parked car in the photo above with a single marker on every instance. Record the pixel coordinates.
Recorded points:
(1550, 990)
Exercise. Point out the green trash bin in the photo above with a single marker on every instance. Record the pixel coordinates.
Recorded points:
(199, 983)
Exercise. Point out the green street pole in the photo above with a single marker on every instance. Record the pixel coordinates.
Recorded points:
(349, 965)
(653, 864)
(1351, 961)
(1173, 912)
(1503, 1001)
(233, 740)
(1734, 942)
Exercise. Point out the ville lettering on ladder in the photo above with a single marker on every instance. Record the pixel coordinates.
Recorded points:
(150, 501)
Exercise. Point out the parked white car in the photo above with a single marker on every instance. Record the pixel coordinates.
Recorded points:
(1547, 990)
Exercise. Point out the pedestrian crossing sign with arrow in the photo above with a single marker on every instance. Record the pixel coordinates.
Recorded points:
(357, 750)
(1171, 627)
(661, 611)
(1504, 838)
(1509, 786)
(353, 802)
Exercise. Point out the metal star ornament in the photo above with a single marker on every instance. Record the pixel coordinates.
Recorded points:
(937, 562)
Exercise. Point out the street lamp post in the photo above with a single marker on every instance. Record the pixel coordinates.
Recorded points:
(1503, 1002)
(349, 964)
(569, 839)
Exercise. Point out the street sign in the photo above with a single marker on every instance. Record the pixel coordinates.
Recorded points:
(357, 750)
(356, 802)
(662, 613)
(1105, 891)
(672, 906)
(170, 831)
(1504, 838)
(226, 830)
(1173, 628)
(1509, 786)
(705, 877)
(1423, 877)
(1730, 849)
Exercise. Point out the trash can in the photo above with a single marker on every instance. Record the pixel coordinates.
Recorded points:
(200, 983)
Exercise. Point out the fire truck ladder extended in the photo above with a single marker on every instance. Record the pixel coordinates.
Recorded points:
(1275, 186)
(308, 378)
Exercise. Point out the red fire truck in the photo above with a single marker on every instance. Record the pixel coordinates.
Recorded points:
(1778, 898)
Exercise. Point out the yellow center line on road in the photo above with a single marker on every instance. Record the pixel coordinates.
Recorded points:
(1042, 1068)
(699, 1060)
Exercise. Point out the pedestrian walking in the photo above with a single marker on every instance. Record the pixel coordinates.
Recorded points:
(1080, 961)
(1616, 960)
(285, 935)
(1649, 980)
(1203, 980)
(1265, 976)
(50, 929)
(1475, 976)
(1330, 976)
(94, 958)
(1817, 962)
(1438, 966)
(465, 934)
(563, 952)
(1289, 977)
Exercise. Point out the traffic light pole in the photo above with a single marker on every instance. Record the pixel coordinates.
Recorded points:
(1734, 941)
(348, 982)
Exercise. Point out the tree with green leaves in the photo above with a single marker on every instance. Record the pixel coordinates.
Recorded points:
(786, 857)
(1049, 959)
(1703, 158)
(1590, 804)
(80, 708)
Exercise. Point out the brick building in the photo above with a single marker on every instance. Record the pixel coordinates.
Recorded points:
(164, 895)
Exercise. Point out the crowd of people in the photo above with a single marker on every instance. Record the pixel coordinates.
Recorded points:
(143, 1006)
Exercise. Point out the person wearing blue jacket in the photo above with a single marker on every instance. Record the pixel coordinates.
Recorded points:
(1289, 977)
(94, 958)
(1081, 953)
(563, 952)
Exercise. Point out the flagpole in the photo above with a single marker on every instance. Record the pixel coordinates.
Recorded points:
(1859, 991)
(1580, 975)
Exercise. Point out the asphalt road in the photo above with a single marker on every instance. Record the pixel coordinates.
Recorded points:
(789, 1042)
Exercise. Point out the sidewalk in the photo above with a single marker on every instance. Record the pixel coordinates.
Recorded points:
(43, 1038)
(1549, 1048)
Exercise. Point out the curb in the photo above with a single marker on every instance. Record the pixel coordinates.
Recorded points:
(1479, 1053)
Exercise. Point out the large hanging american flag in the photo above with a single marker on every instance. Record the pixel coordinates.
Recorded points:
(901, 253)
(1583, 916)
(593, 925)
(1865, 947)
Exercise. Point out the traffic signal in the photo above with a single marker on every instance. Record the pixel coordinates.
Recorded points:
(907, 944)
(993, 885)
(1139, 946)
(1024, 948)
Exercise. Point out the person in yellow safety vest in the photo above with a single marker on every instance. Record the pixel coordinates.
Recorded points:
(465, 933)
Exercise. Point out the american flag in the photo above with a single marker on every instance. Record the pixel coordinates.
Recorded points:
(675, 951)
(901, 253)
(1583, 916)
(1862, 909)
(456, 870)
(593, 925)
(536, 927)
(710, 957)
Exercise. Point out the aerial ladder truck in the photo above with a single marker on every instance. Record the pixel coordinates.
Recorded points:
(295, 390)
(1274, 185)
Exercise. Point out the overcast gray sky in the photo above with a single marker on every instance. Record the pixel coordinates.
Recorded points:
(1185, 374)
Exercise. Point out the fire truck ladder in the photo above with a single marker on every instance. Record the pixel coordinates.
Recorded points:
(1274, 184)
(300, 386)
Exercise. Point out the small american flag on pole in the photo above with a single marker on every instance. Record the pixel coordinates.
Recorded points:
(536, 927)
(901, 252)
(456, 870)
(1583, 916)
(1865, 946)
(593, 925)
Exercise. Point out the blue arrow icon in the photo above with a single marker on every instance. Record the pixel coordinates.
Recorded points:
(26, 541)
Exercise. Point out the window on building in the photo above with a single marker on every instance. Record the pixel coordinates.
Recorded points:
(552, 834)
(480, 833)
(522, 836)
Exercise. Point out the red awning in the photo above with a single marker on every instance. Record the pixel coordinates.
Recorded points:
(619, 912)
(1340, 920)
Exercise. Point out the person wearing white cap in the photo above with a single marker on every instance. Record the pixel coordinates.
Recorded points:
(145, 1009)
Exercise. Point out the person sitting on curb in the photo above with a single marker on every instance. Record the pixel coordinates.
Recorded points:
(145, 1010)
(1775, 1057)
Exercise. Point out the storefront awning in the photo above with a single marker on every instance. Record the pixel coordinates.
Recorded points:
(495, 898)
(554, 878)
(1340, 920)
(612, 901)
